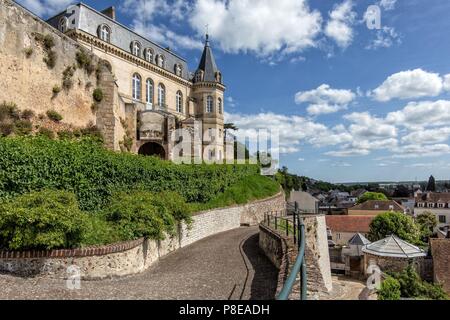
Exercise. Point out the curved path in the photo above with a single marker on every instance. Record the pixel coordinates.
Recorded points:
(229, 265)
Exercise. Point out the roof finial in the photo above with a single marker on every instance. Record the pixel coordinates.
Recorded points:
(207, 34)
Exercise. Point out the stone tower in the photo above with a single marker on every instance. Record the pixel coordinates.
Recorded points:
(208, 92)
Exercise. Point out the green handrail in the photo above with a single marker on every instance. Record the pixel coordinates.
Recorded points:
(299, 267)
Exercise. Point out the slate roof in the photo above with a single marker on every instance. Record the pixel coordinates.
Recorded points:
(358, 240)
(208, 63)
(379, 205)
(349, 223)
(433, 197)
(395, 247)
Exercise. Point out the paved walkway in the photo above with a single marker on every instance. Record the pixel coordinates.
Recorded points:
(229, 265)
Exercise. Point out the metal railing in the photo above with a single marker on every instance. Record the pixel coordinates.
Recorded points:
(292, 226)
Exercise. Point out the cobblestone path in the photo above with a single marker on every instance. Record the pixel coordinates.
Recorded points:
(229, 265)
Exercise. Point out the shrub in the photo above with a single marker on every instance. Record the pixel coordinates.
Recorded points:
(41, 220)
(50, 59)
(65, 134)
(6, 129)
(95, 173)
(56, 90)
(44, 132)
(27, 114)
(23, 127)
(90, 131)
(68, 73)
(394, 223)
(54, 116)
(84, 61)
(390, 289)
(49, 42)
(98, 95)
(8, 110)
(28, 52)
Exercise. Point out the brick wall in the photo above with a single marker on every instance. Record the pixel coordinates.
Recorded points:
(440, 250)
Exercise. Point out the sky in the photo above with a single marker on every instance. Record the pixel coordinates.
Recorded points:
(359, 90)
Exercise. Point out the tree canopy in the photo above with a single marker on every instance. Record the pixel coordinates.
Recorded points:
(372, 196)
(394, 223)
(427, 222)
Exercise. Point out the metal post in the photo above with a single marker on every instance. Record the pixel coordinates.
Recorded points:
(287, 227)
(294, 219)
(276, 223)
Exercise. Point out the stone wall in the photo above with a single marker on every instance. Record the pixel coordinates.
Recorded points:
(282, 251)
(134, 256)
(440, 250)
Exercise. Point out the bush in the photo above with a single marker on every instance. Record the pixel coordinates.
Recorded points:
(6, 129)
(8, 110)
(95, 173)
(56, 90)
(390, 289)
(49, 42)
(44, 132)
(394, 223)
(28, 52)
(41, 221)
(23, 127)
(98, 95)
(84, 61)
(50, 59)
(54, 116)
(27, 114)
(68, 73)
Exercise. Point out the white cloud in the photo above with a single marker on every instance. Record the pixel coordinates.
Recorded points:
(431, 136)
(417, 151)
(45, 8)
(388, 4)
(447, 82)
(366, 126)
(339, 27)
(325, 100)
(409, 84)
(421, 114)
(385, 38)
(348, 153)
(263, 27)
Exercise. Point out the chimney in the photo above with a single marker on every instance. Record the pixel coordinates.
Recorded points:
(110, 12)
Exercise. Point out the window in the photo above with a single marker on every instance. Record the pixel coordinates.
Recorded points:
(199, 76)
(179, 102)
(442, 219)
(136, 87)
(209, 104)
(161, 96)
(160, 61)
(178, 70)
(149, 92)
(431, 205)
(149, 55)
(421, 205)
(63, 24)
(136, 48)
(220, 107)
(104, 33)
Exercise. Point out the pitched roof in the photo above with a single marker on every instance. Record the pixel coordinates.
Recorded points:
(358, 240)
(349, 223)
(395, 247)
(208, 63)
(433, 197)
(379, 205)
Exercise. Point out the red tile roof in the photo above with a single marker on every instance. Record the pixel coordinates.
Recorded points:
(383, 205)
(349, 223)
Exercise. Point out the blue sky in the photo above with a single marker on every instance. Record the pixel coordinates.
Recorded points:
(351, 103)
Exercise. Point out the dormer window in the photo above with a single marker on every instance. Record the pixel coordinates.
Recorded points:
(62, 26)
(104, 33)
(160, 60)
(441, 205)
(430, 205)
(199, 76)
(218, 77)
(136, 48)
(178, 70)
(149, 55)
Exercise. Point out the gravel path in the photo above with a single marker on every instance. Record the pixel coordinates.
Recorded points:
(229, 265)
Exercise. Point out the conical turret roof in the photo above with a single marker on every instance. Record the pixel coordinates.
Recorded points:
(208, 63)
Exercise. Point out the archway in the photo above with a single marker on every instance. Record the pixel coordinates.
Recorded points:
(153, 149)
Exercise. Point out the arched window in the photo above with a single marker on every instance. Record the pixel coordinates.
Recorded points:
(63, 24)
(161, 96)
(149, 55)
(219, 105)
(209, 104)
(149, 91)
(104, 33)
(178, 70)
(160, 60)
(136, 86)
(136, 48)
(179, 102)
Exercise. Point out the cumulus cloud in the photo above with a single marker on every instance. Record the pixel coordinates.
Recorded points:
(340, 26)
(385, 38)
(418, 151)
(262, 27)
(409, 84)
(432, 136)
(421, 114)
(388, 4)
(45, 8)
(447, 82)
(325, 100)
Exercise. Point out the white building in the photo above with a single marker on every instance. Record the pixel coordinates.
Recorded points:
(436, 203)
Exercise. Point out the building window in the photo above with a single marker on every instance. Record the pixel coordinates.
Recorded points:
(136, 87)
(199, 76)
(160, 60)
(209, 104)
(161, 96)
(104, 33)
(220, 106)
(149, 55)
(431, 205)
(63, 24)
(440, 205)
(179, 102)
(149, 91)
(136, 48)
(442, 219)
(178, 70)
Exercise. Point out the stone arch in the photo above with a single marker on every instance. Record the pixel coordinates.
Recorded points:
(153, 149)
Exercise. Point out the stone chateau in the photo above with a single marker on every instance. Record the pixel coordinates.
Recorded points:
(149, 91)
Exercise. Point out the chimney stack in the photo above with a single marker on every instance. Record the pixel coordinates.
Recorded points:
(110, 12)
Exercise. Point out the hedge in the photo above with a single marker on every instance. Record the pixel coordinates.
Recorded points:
(93, 173)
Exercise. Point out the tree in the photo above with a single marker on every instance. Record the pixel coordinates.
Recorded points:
(390, 289)
(401, 192)
(394, 223)
(372, 196)
(431, 184)
(427, 222)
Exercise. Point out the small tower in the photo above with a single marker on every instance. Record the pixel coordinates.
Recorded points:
(208, 91)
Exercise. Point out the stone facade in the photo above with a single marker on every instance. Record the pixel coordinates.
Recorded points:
(393, 264)
(134, 256)
(282, 251)
(440, 250)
